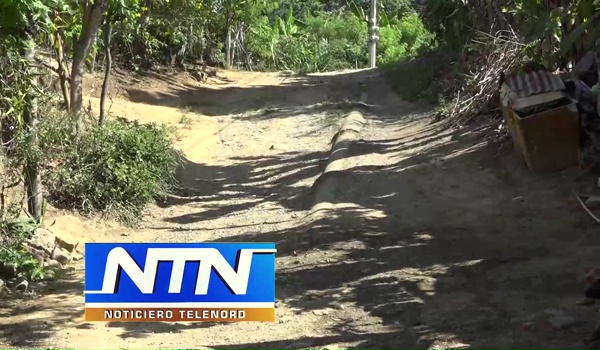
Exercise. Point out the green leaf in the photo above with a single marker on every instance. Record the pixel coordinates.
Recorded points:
(302, 25)
(282, 26)
(357, 10)
(384, 22)
(577, 34)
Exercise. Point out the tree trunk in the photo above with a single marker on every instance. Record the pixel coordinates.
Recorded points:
(33, 178)
(211, 45)
(180, 57)
(92, 19)
(373, 35)
(228, 36)
(143, 49)
(62, 70)
(90, 62)
(108, 60)
(59, 49)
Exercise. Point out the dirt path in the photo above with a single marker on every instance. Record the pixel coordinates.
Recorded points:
(434, 241)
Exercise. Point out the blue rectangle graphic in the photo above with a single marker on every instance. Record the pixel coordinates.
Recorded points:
(179, 273)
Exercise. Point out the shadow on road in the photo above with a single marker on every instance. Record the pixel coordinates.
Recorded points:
(450, 246)
(30, 332)
(467, 248)
(294, 95)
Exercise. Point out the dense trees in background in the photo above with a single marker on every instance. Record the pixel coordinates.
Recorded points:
(309, 35)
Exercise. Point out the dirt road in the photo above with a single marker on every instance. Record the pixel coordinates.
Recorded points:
(435, 241)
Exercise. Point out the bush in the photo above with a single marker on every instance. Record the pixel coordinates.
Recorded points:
(324, 42)
(15, 260)
(423, 77)
(333, 41)
(119, 167)
(403, 39)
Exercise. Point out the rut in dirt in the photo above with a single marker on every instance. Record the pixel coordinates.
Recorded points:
(269, 155)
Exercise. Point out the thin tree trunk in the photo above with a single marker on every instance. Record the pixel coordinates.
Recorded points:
(92, 19)
(62, 71)
(59, 50)
(228, 49)
(108, 60)
(143, 23)
(228, 35)
(33, 178)
(233, 47)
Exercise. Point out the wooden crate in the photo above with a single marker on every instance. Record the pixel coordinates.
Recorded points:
(547, 141)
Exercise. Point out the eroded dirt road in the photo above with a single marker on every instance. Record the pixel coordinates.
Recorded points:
(435, 240)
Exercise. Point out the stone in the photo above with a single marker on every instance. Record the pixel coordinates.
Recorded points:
(22, 285)
(586, 302)
(38, 254)
(554, 312)
(76, 256)
(61, 255)
(53, 264)
(49, 275)
(70, 247)
(562, 322)
(43, 239)
(2, 285)
(321, 312)
(527, 326)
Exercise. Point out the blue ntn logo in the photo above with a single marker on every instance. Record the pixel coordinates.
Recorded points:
(179, 273)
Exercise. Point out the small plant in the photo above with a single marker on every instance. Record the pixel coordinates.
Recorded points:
(22, 263)
(15, 260)
(185, 118)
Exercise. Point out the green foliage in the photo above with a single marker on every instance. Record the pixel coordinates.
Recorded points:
(420, 77)
(15, 231)
(119, 167)
(326, 42)
(22, 263)
(19, 21)
(403, 39)
(450, 20)
(15, 15)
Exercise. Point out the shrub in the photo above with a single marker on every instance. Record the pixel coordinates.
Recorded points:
(423, 77)
(15, 260)
(119, 167)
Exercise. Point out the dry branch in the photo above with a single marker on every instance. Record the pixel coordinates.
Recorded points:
(475, 92)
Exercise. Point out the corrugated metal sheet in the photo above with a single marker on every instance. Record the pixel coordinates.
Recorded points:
(538, 82)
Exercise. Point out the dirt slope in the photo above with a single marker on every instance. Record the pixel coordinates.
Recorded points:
(435, 241)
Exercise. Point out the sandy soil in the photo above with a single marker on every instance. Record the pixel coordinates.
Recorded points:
(435, 240)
